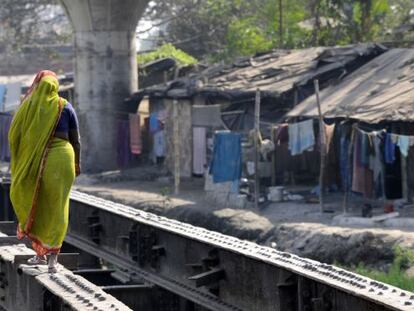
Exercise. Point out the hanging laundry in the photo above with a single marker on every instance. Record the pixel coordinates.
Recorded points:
(159, 144)
(364, 151)
(376, 159)
(404, 144)
(389, 149)
(343, 162)
(14, 91)
(362, 177)
(329, 133)
(154, 124)
(5, 122)
(281, 134)
(124, 153)
(394, 138)
(135, 133)
(2, 93)
(301, 137)
(345, 133)
(199, 150)
(226, 164)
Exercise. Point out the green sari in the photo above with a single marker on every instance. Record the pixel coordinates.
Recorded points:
(42, 167)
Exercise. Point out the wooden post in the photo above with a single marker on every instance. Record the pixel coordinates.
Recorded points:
(256, 149)
(176, 148)
(272, 137)
(323, 148)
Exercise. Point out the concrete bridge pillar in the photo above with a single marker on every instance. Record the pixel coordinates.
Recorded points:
(105, 72)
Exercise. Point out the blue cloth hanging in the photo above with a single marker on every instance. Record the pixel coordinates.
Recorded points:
(301, 137)
(404, 144)
(226, 164)
(389, 149)
(153, 123)
(2, 93)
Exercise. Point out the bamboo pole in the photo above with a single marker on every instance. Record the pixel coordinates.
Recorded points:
(256, 149)
(176, 140)
(323, 148)
(272, 137)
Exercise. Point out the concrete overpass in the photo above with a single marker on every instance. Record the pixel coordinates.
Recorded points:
(105, 71)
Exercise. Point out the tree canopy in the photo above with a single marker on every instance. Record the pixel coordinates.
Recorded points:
(26, 22)
(223, 29)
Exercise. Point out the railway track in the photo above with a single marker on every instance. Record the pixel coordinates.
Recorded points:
(214, 271)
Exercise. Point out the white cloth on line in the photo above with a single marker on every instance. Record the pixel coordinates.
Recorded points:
(159, 144)
(199, 150)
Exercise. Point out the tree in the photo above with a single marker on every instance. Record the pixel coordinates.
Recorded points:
(400, 22)
(224, 29)
(26, 22)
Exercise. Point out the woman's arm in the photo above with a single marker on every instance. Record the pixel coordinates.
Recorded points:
(74, 139)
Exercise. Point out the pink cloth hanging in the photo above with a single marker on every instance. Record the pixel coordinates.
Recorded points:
(135, 133)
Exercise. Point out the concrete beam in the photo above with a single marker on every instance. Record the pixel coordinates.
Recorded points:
(105, 72)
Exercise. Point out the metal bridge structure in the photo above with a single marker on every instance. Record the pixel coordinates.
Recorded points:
(164, 264)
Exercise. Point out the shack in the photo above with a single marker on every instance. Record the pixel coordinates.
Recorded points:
(221, 97)
(372, 111)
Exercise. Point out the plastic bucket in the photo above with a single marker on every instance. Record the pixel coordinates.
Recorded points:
(276, 193)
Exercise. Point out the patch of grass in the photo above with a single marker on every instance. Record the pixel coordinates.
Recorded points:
(167, 50)
(396, 274)
(166, 194)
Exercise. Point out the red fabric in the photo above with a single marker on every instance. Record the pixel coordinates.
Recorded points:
(39, 76)
(37, 246)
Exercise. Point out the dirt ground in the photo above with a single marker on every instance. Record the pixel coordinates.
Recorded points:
(296, 227)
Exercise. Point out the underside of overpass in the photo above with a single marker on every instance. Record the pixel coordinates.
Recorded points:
(105, 71)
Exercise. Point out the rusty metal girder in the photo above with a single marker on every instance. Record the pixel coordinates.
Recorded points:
(216, 271)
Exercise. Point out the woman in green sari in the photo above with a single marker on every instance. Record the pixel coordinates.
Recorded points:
(45, 148)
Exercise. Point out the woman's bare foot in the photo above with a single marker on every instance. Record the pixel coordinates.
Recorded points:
(37, 260)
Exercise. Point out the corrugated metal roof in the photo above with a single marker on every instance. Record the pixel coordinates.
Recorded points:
(274, 73)
(381, 90)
